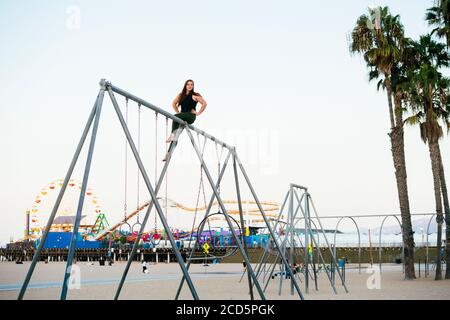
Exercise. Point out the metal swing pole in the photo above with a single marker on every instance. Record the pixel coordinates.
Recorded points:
(222, 206)
(273, 265)
(291, 219)
(308, 221)
(153, 195)
(333, 259)
(238, 192)
(58, 200)
(87, 168)
(282, 274)
(200, 230)
(289, 230)
(275, 226)
(263, 258)
(267, 224)
(306, 215)
(282, 242)
(147, 215)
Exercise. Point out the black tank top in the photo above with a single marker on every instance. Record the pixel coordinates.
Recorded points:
(188, 103)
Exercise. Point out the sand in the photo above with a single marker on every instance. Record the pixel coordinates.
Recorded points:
(220, 281)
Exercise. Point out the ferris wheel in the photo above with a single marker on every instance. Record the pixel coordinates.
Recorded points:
(38, 214)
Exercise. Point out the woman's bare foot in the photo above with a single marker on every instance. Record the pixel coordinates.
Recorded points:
(170, 139)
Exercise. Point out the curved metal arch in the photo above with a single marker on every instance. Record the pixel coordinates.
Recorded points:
(315, 226)
(317, 233)
(359, 238)
(381, 233)
(427, 245)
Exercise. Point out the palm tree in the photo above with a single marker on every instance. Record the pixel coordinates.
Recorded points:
(381, 43)
(428, 98)
(438, 16)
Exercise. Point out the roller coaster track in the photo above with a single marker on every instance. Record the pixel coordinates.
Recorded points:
(270, 209)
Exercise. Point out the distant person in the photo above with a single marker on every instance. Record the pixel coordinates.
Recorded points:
(144, 267)
(187, 99)
(296, 268)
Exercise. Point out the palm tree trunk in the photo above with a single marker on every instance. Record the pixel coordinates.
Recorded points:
(433, 147)
(398, 155)
(447, 214)
(387, 82)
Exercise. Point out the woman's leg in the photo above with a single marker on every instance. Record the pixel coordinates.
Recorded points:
(175, 126)
(185, 116)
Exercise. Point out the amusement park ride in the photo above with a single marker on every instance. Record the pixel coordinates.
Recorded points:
(100, 229)
(36, 216)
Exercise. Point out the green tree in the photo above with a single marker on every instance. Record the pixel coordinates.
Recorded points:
(438, 17)
(379, 37)
(428, 101)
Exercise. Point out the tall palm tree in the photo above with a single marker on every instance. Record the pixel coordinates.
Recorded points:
(438, 16)
(428, 99)
(381, 43)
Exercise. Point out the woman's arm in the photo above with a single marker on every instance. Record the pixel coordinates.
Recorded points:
(175, 103)
(203, 102)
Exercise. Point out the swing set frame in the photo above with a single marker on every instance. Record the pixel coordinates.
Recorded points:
(93, 121)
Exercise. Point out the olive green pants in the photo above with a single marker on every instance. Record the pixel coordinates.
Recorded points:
(185, 116)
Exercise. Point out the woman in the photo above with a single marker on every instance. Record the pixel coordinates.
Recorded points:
(187, 99)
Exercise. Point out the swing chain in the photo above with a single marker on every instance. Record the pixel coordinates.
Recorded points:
(139, 152)
(126, 165)
(219, 161)
(156, 159)
(200, 187)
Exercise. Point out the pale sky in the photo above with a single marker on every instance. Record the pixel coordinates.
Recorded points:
(277, 75)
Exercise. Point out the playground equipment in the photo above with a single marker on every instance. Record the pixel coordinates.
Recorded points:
(355, 220)
(93, 120)
(289, 240)
(442, 254)
(211, 242)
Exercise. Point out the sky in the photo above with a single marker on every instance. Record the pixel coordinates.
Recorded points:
(278, 78)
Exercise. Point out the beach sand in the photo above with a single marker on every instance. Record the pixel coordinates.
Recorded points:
(220, 281)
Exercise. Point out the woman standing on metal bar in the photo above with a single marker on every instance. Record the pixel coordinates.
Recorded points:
(187, 99)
